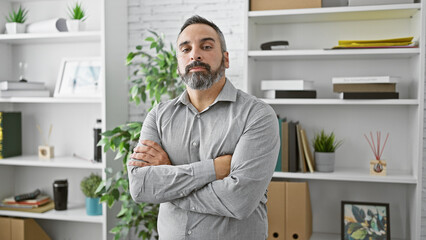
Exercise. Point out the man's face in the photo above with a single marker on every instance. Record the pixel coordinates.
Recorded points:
(201, 62)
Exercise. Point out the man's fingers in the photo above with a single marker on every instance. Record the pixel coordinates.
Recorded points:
(145, 149)
(153, 145)
(138, 163)
(142, 156)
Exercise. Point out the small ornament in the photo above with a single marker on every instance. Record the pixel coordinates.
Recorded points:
(377, 166)
(45, 151)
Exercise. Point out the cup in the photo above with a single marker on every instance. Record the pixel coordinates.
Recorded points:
(60, 194)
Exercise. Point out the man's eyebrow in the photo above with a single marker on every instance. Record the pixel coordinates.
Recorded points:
(202, 40)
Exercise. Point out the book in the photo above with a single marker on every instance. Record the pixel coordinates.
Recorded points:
(10, 134)
(273, 94)
(369, 95)
(302, 161)
(24, 93)
(284, 146)
(293, 157)
(307, 150)
(364, 87)
(376, 2)
(40, 209)
(17, 85)
(278, 165)
(406, 41)
(39, 200)
(367, 79)
(286, 85)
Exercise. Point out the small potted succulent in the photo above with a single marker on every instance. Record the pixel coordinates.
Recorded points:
(15, 21)
(77, 16)
(88, 186)
(325, 146)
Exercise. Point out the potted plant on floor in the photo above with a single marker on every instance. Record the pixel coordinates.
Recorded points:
(15, 21)
(88, 186)
(77, 16)
(325, 146)
(154, 75)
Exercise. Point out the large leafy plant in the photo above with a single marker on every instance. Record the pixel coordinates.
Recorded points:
(154, 75)
(19, 16)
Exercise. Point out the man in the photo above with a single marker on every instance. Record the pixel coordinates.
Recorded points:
(208, 155)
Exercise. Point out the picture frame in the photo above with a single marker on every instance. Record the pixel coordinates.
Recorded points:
(79, 78)
(374, 217)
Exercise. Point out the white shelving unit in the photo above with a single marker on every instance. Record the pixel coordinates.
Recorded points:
(73, 119)
(311, 33)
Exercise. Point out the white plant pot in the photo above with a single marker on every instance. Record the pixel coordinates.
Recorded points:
(324, 161)
(14, 28)
(74, 25)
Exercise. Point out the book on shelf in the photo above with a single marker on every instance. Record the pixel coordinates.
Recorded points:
(24, 93)
(273, 94)
(278, 166)
(364, 87)
(293, 157)
(376, 2)
(17, 85)
(365, 79)
(41, 209)
(286, 85)
(38, 201)
(10, 134)
(302, 160)
(369, 95)
(307, 151)
(284, 146)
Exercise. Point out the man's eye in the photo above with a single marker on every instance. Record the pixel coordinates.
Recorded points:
(185, 50)
(207, 47)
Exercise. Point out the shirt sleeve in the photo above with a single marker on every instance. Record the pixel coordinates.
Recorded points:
(157, 184)
(252, 167)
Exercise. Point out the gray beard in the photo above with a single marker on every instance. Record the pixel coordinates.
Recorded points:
(203, 80)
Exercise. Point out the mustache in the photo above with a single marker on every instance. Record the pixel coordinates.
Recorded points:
(197, 64)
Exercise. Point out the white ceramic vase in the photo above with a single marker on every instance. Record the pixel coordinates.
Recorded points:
(74, 25)
(14, 28)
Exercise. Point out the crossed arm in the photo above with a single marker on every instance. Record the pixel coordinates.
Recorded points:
(211, 186)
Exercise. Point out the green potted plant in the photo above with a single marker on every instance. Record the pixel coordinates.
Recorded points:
(15, 21)
(77, 16)
(88, 186)
(325, 146)
(154, 75)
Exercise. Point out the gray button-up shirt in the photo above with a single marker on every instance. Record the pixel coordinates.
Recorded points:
(194, 205)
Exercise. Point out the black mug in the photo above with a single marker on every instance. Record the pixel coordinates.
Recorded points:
(60, 194)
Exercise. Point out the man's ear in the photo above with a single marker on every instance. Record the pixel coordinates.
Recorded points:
(226, 56)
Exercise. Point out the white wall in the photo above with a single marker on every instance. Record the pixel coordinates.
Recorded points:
(167, 16)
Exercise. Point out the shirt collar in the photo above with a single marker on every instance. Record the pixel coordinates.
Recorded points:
(228, 94)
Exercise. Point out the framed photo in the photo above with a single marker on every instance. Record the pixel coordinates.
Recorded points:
(365, 220)
(79, 77)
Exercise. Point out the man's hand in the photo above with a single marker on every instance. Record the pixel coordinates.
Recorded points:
(222, 166)
(150, 153)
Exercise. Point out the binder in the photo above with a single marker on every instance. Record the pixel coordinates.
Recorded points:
(289, 211)
(276, 210)
(299, 213)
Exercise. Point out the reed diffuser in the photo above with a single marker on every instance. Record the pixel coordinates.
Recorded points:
(378, 165)
(45, 151)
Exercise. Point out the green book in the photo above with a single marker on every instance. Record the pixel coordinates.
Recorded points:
(278, 167)
(10, 134)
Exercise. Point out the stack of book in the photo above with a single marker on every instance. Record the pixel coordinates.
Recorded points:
(295, 153)
(288, 89)
(39, 204)
(374, 87)
(22, 89)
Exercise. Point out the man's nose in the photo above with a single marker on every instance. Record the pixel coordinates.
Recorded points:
(196, 55)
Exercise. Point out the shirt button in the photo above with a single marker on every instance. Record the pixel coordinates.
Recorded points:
(193, 208)
(189, 232)
(182, 194)
(198, 116)
(194, 144)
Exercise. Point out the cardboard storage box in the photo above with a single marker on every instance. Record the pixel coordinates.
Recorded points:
(259, 5)
(289, 211)
(21, 229)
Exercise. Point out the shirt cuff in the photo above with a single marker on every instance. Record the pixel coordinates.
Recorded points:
(204, 172)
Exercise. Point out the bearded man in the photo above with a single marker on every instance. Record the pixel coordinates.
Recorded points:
(208, 155)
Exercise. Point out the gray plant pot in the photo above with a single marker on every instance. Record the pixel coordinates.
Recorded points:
(324, 161)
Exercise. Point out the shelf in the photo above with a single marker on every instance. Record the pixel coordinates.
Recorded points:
(50, 100)
(351, 175)
(57, 162)
(74, 213)
(393, 11)
(388, 53)
(60, 37)
(409, 102)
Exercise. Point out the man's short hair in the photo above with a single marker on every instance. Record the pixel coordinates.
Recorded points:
(200, 20)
